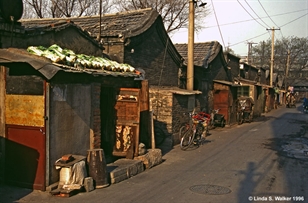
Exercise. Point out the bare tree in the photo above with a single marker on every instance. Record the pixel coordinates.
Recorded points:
(38, 6)
(298, 48)
(174, 12)
(64, 8)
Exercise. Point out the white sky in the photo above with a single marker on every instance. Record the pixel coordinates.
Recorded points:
(238, 26)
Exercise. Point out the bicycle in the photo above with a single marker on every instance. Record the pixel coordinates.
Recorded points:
(194, 131)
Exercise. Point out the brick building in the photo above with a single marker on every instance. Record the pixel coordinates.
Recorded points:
(211, 77)
(61, 110)
(139, 39)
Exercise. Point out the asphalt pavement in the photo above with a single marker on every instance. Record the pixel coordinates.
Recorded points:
(262, 161)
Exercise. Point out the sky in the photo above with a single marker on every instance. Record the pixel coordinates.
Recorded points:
(249, 21)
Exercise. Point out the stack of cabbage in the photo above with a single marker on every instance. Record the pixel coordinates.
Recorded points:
(67, 57)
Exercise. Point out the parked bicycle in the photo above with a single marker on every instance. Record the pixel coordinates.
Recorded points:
(215, 119)
(194, 132)
(245, 110)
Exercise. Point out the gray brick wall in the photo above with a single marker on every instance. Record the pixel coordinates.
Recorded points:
(150, 54)
(169, 109)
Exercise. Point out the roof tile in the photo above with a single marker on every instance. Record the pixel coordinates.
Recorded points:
(204, 52)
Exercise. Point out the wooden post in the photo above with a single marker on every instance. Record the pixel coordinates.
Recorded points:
(272, 55)
(190, 51)
(152, 126)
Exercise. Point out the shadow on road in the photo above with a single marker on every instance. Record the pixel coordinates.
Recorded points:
(12, 193)
(247, 185)
(289, 141)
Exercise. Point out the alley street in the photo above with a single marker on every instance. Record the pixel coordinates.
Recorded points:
(262, 161)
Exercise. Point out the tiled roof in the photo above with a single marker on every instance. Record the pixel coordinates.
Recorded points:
(49, 69)
(128, 24)
(58, 26)
(204, 53)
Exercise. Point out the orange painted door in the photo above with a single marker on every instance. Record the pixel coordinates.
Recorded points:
(222, 102)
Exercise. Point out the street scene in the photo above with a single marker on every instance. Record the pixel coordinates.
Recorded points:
(263, 161)
(107, 101)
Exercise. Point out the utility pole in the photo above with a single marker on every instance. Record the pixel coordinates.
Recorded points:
(263, 52)
(190, 51)
(287, 70)
(191, 41)
(272, 55)
(100, 21)
(249, 51)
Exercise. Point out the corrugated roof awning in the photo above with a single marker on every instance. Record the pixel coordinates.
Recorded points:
(226, 83)
(186, 92)
(176, 90)
(264, 85)
(9, 57)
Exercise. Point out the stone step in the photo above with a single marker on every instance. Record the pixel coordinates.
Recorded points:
(123, 169)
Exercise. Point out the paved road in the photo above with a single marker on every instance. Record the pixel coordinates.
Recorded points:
(239, 163)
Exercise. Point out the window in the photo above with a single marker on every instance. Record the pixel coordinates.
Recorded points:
(243, 91)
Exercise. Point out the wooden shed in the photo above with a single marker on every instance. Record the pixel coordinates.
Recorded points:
(50, 110)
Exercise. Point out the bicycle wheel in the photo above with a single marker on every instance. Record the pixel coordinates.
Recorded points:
(239, 118)
(159, 136)
(223, 123)
(183, 129)
(187, 136)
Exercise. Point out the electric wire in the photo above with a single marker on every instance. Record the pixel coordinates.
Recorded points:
(218, 25)
(250, 14)
(267, 14)
(267, 32)
(242, 21)
(256, 14)
(270, 17)
(294, 20)
(248, 39)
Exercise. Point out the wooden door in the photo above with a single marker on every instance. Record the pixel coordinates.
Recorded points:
(25, 149)
(127, 122)
(222, 101)
(25, 157)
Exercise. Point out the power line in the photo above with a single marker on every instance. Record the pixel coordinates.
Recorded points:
(250, 14)
(267, 32)
(256, 14)
(294, 20)
(270, 17)
(243, 21)
(267, 13)
(248, 39)
(218, 25)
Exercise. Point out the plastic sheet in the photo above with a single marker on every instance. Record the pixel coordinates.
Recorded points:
(73, 175)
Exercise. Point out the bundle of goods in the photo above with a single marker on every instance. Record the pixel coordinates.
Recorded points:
(67, 57)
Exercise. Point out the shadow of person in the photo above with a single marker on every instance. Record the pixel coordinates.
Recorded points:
(248, 184)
